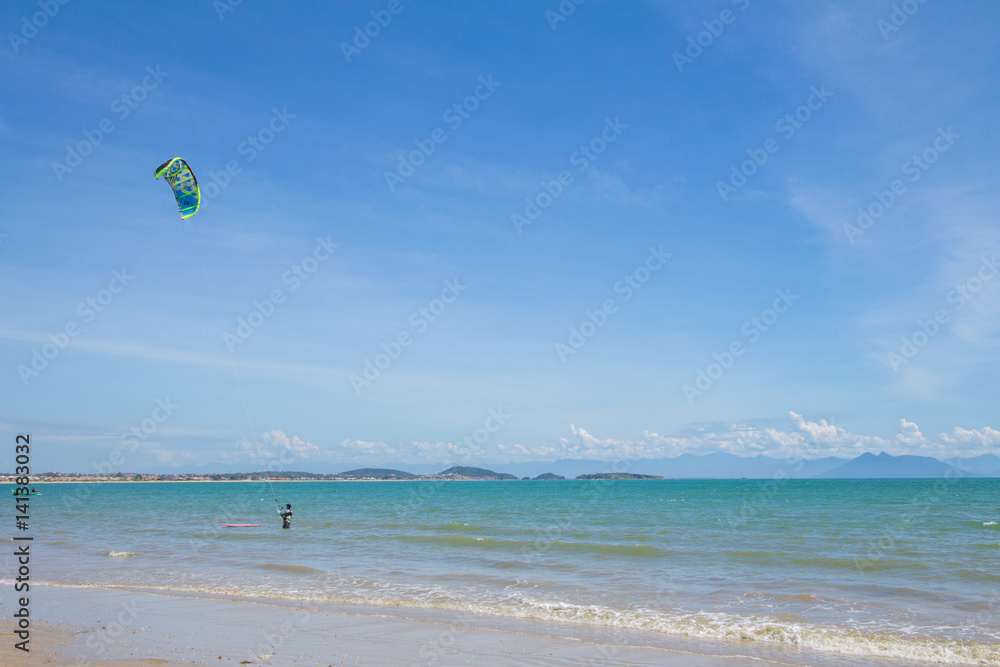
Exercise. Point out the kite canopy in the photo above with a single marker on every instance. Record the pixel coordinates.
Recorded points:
(185, 186)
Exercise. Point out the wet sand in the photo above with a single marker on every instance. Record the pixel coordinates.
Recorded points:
(80, 626)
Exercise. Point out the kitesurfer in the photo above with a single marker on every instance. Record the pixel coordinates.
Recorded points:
(286, 516)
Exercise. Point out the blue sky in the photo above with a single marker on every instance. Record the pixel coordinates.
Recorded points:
(645, 110)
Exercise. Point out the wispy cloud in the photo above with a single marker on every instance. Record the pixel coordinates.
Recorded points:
(129, 349)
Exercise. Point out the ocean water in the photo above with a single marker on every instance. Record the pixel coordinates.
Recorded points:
(863, 568)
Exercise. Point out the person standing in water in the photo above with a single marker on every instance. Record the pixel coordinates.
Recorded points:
(286, 516)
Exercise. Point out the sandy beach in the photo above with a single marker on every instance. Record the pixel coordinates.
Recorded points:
(475, 574)
(100, 626)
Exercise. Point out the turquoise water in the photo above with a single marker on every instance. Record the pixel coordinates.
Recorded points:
(904, 568)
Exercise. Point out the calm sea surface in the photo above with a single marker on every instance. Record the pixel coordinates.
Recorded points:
(905, 568)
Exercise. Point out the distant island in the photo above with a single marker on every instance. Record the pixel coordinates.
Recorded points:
(374, 474)
(466, 473)
(454, 474)
(719, 465)
(618, 475)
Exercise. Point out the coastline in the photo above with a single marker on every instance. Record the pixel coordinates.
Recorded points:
(112, 626)
(115, 626)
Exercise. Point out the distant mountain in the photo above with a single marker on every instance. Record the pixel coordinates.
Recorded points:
(207, 469)
(816, 467)
(315, 467)
(986, 465)
(415, 468)
(566, 467)
(716, 466)
(719, 465)
(469, 472)
(618, 475)
(547, 476)
(870, 466)
(376, 473)
(722, 465)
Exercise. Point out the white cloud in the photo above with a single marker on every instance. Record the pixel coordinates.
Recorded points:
(612, 187)
(909, 434)
(805, 439)
(280, 445)
(802, 438)
(983, 441)
(172, 459)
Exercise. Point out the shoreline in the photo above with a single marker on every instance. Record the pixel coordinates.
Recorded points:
(112, 626)
(115, 626)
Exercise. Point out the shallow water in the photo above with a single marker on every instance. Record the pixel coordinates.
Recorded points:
(891, 568)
